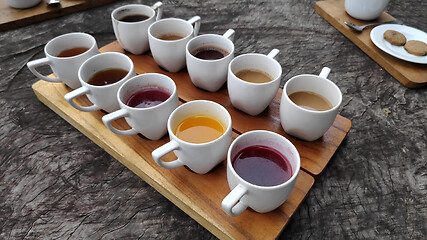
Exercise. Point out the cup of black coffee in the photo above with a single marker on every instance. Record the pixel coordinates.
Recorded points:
(146, 101)
(207, 58)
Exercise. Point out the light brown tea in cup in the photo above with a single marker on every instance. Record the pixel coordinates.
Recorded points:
(199, 129)
(310, 100)
(253, 76)
(108, 76)
(170, 36)
(72, 52)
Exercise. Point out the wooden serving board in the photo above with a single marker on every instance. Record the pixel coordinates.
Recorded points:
(412, 75)
(13, 18)
(200, 196)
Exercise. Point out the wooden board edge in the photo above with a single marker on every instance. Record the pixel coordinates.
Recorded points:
(378, 58)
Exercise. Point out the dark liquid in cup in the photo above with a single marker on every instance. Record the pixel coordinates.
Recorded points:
(210, 53)
(170, 36)
(262, 166)
(310, 100)
(135, 18)
(106, 77)
(148, 98)
(72, 52)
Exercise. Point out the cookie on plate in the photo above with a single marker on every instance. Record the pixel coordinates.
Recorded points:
(416, 47)
(395, 37)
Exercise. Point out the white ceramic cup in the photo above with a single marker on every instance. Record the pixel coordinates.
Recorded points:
(133, 36)
(253, 98)
(22, 3)
(65, 68)
(102, 97)
(210, 75)
(244, 194)
(199, 157)
(305, 124)
(170, 54)
(365, 9)
(151, 122)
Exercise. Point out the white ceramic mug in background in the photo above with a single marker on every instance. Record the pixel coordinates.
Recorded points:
(253, 98)
(307, 124)
(133, 36)
(365, 9)
(244, 194)
(65, 68)
(210, 75)
(151, 121)
(170, 54)
(102, 97)
(199, 157)
(22, 3)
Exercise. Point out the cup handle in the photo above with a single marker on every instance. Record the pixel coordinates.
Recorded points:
(107, 119)
(159, 6)
(40, 62)
(325, 72)
(273, 53)
(163, 150)
(76, 93)
(196, 21)
(229, 34)
(232, 204)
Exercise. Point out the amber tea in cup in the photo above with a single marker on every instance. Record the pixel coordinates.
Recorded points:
(148, 97)
(72, 52)
(170, 36)
(199, 129)
(108, 76)
(253, 76)
(311, 101)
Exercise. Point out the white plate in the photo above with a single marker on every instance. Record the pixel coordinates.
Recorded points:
(398, 51)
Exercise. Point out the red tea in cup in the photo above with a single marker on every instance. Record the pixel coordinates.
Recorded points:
(262, 166)
(148, 97)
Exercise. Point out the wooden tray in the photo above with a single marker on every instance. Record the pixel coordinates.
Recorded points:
(13, 18)
(199, 196)
(411, 75)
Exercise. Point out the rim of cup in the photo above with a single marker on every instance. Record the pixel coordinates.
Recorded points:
(160, 21)
(67, 35)
(141, 78)
(332, 84)
(115, 12)
(198, 38)
(275, 62)
(101, 55)
(228, 127)
(292, 147)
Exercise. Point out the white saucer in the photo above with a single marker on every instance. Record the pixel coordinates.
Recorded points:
(398, 51)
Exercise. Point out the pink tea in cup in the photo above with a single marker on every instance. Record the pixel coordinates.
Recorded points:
(148, 97)
(262, 166)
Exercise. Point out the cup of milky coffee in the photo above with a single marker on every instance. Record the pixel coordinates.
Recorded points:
(101, 77)
(130, 24)
(146, 101)
(168, 38)
(309, 105)
(200, 134)
(207, 58)
(253, 80)
(262, 168)
(365, 9)
(65, 54)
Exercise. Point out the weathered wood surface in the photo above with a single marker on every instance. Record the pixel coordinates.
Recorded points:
(56, 183)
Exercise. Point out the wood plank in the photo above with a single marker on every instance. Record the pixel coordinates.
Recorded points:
(411, 75)
(199, 196)
(314, 155)
(11, 18)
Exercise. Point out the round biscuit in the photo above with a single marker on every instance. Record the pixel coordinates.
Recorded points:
(415, 47)
(395, 37)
